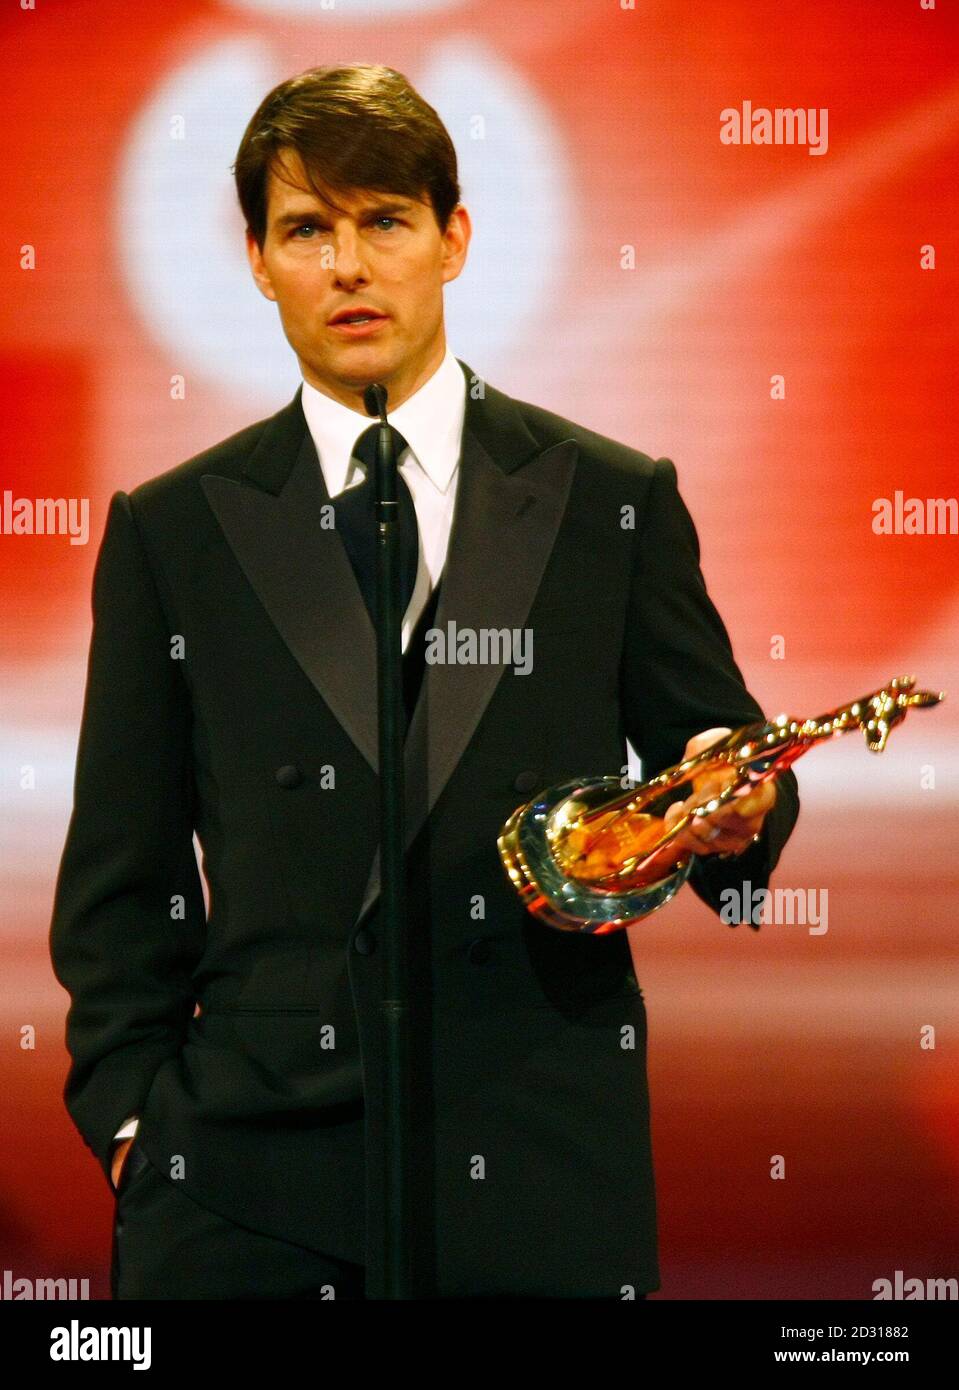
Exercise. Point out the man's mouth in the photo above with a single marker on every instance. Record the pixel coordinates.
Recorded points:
(357, 324)
(361, 315)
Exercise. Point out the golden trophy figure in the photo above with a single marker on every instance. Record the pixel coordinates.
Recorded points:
(586, 856)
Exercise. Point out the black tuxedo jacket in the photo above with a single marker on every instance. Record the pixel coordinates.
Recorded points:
(231, 690)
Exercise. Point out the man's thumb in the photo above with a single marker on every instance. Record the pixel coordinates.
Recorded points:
(699, 742)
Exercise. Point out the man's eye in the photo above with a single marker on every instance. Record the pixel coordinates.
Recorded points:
(307, 227)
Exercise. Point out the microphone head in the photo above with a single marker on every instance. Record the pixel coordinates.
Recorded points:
(374, 399)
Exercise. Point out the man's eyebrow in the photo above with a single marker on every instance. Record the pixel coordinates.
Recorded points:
(292, 219)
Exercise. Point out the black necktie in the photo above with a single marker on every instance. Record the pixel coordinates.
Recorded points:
(356, 522)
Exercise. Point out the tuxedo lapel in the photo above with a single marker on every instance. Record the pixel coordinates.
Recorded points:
(510, 499)
(281, 532)
(504, 525)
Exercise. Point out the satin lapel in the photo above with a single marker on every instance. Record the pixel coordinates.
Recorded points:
(301, 573)
(504, 526)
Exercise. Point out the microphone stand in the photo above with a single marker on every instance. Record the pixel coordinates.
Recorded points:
(395, 1003)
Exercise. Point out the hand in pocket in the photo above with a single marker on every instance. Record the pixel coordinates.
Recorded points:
(120, 1155)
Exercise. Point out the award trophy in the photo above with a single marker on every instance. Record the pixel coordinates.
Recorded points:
(586, 856)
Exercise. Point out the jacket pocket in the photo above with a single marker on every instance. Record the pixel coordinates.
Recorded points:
(293, 977)
(262, 1062)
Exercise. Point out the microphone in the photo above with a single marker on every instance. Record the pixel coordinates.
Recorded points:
(394, 1006)
(384, 468)
(374, 400)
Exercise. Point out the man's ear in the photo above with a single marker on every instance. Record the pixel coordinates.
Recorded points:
(260, 274)
(456, 240)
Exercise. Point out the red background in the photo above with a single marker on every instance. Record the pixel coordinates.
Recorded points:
(749, 261)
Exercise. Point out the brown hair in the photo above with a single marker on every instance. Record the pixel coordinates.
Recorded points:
(356, 127)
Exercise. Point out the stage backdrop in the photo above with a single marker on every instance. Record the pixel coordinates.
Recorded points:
(724, 233)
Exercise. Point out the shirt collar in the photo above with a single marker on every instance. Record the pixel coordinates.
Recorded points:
(431, 422)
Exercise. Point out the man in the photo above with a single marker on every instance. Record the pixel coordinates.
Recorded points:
(227, 1070)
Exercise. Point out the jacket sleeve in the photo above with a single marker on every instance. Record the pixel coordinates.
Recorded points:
(679, 678)
(129, 921)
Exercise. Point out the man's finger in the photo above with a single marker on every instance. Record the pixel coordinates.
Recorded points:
(757, 801)
(706, 739)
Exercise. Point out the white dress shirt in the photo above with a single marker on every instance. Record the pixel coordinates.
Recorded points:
(431, 422)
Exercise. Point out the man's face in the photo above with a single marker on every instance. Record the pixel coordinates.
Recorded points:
(384, 252)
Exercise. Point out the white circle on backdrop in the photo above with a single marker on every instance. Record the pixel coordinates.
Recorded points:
(179, 230)
(342, 9)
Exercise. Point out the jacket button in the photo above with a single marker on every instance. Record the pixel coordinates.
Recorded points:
(479, 951)
(526, 782)
(364, 942)
(289, 776)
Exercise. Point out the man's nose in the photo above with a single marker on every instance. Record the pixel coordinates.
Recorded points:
(349, 261)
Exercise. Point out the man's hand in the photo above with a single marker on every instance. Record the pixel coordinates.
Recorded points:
(734, 826)
(119, 1156)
